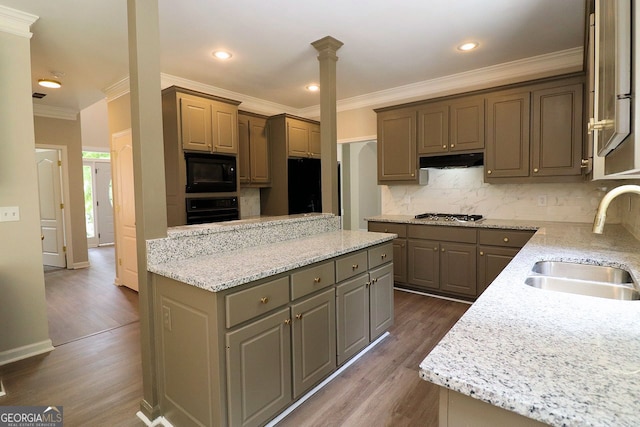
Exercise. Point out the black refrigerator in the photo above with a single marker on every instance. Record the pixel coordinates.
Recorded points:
(305, 187)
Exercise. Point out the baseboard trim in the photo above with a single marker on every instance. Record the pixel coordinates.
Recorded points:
(26, 351)
(79, 265)
(160, 421)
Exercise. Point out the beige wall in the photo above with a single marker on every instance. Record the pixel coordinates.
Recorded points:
(67, 133)
(23, 312)
(95, 127)
(357, 124)
(119, 111)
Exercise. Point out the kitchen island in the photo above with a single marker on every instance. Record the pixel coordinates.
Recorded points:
(250, 315)
(556, 358)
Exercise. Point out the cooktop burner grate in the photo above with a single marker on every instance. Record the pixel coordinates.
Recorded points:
(448, 217)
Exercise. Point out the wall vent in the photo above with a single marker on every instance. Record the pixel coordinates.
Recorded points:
(39, 95)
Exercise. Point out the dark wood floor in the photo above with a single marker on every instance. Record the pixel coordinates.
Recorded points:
(97, 377)
(86, 301)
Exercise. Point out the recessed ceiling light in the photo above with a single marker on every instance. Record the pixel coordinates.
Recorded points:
(222, 54)
(465, 47)
(50, 83)
(313, 87)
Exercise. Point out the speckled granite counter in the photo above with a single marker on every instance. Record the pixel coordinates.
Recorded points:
(562, 359)
(483, 223)
(218, 257)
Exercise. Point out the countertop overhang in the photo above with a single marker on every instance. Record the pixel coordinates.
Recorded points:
(562, 359)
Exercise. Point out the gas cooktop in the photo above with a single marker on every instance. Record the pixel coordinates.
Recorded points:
(448, 217)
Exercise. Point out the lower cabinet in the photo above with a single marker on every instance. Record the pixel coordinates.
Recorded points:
(380, 300)
(491, 261)
(399, 247)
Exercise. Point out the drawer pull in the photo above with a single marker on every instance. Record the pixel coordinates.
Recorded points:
(506, 239)
(489, 172)
(535, 170)
(287, 322)
(264, 300)
(435, 249)
(354, 267)
(386, 229)
(481, 253)
(383, 256)
(317, 279)
(299, 316)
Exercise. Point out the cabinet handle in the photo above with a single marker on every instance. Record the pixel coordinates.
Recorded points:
(453, 145)
(373, 282)
(317, 279)
(535, 170)
(413, 174)
(442, 249)
(481, 253)
(264, 300)
(444, 146)
(506, 239)
(386, 229)
(354, 267)
(367, 284)
(489, 172)
(584, 163)
(299, 316)
(435, 249)
(287, 322)
(383, 256)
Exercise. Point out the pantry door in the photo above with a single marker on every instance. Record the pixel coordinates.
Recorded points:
(125, 214)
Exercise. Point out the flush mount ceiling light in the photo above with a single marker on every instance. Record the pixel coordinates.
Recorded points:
(465, 47)
(222, 54)
(50, 83)
(313, 87)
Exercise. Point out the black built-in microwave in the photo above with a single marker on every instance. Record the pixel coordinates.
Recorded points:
(210, 173)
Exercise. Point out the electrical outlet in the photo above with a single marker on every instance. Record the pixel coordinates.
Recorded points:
(166, 317)
(9, 213)
(542, 200)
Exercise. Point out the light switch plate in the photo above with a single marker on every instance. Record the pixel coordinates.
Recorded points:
(9, 213)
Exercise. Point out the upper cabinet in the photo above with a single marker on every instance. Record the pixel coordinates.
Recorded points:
(397, 160)
(254, 157)
(206, 123)
(302, 135)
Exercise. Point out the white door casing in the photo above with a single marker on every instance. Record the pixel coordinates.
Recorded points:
(124, 201)
(104, 206)
(48, 165)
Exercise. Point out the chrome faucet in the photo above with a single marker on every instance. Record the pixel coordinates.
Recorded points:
(601, 215)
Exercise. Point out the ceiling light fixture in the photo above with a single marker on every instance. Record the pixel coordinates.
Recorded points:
(222, 54)
(313, 87)
(50, 83)
(465, 47)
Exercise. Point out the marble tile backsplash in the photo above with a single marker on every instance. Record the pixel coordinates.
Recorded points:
(463, 191)
(249, 202)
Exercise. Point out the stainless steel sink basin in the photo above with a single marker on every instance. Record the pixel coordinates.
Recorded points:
(572, 270)
(620, 291)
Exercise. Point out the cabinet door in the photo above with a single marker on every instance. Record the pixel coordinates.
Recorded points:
(397, 145)
(400, 260)
(467, 124)
(491, 262)
(298, 138)
(195, 121)
(433, 129)
(352, 317)
(260, 153)
(380, 300)
(507, 151)
(244, 153)
(314, 141)
(224, 121)
(458, 268)
(424, 263)
(557, 131)
(259, 370)
(314, 340)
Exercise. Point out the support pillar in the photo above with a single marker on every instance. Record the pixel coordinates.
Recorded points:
(327, 47)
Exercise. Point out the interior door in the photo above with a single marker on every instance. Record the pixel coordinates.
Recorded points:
(51, 215)
(104, 202)
(125, 218)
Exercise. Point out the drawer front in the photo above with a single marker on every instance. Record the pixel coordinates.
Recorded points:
(351, 265)
(380, 255)
(311, 279)
(443, 233)
(508, 238)
(389, 227)
(253, 302)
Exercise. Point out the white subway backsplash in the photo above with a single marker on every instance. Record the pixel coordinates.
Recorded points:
(463, 191)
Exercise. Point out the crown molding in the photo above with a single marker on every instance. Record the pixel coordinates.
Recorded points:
(556, 63)
(16, 22)
(54, 112)
(116, 90)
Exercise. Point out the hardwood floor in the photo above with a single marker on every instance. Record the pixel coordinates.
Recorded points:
(383, 387)
(86, 301)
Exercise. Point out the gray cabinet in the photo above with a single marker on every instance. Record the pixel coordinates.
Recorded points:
(259, 369)
(458, 268)
(399, 247)
(352, 316)
(433, 128)
(254, 157)
(380, 300)
(303, 137)
(397, 157)
(466, 117)
(424, 264)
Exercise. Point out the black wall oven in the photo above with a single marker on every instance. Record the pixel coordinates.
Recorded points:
(212, 209)
(210, 173)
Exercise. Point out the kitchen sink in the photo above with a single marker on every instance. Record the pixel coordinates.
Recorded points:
(573, 270)
(584, 279)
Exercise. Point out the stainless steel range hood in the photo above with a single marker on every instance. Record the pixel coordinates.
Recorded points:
(452, 161)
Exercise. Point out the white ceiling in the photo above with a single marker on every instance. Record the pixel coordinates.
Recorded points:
(387, 44)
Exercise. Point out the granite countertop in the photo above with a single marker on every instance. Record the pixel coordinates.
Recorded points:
(483, 223)
(562, 359)
(225, 270)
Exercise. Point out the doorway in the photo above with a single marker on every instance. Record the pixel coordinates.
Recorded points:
(98, 198)
(361, 192)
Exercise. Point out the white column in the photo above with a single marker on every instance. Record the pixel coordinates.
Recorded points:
(327, 47)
